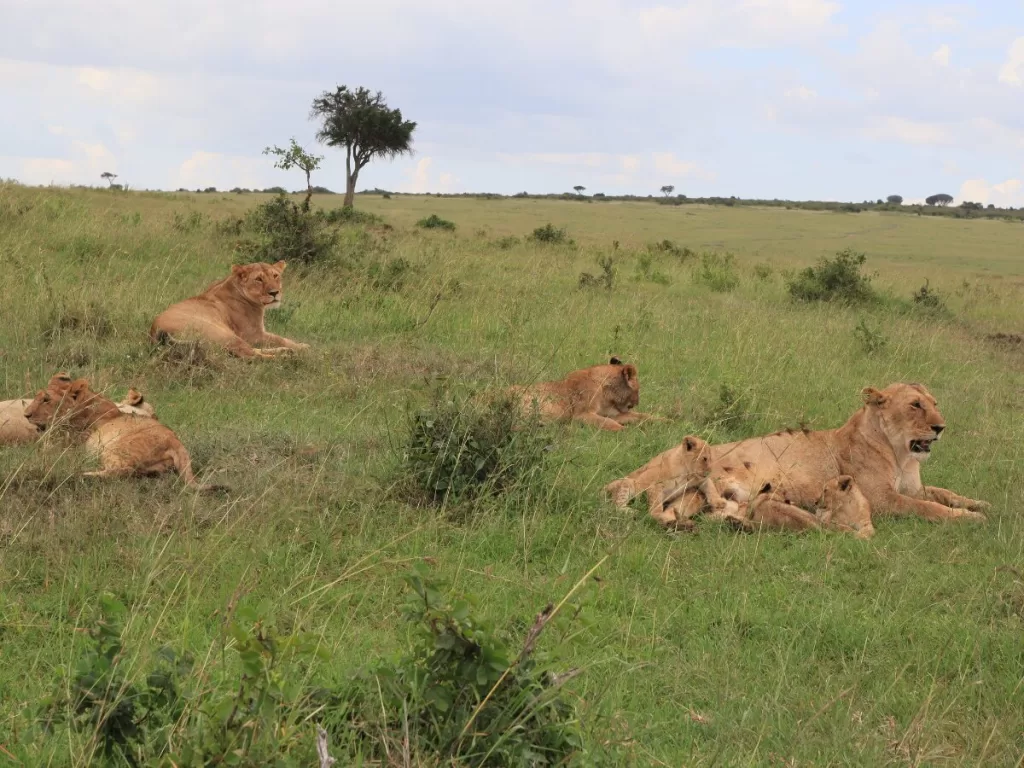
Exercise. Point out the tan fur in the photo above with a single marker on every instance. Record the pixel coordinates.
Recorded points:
(882, 446)
(687, 464)
(15, 428)
(841, 507)
(127, 445)
(230, 312)
(603, 396)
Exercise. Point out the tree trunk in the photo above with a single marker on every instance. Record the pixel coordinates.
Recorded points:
(350, 191)
(309, 194)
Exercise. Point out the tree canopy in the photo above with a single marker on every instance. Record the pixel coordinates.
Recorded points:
(296, 157)
(940, 199)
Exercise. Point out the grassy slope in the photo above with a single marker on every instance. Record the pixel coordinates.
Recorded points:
(713, 648)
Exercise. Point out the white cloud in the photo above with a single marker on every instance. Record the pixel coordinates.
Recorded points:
(907, 131)
(83, 165)
(1008, 194)
(223, 171)
(568, 159)
(420, 178)
(668, 164)
(801, 93)
(1012, 71)
(941, 55)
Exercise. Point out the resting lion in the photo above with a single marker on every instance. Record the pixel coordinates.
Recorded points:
(842, 507)
(127, 445)
(603, 396)
(230, 313)
(881, 446)
(15, 428)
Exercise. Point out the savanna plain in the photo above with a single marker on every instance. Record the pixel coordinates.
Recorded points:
(697, 649)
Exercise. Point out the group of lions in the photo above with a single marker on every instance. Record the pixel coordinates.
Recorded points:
(795, 480)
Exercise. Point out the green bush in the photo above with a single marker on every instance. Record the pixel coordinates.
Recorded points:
(606, 279)
(872, 341)
(928, 299)
(286, 231)
(551, 235)
(463, 449)
(506, 243)
(718, 272)
(837, 279)
(433, 221)
(458, 696)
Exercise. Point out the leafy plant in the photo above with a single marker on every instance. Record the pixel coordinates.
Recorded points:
(506, 243)
(288, 231)
(193, 222)
(645, 270)
(551, 235)
(682, 253)
(838, 279)
(763, 272)
(717, 272)
(871, 340)
(928, 298)
(458, 694)
(433, 221)
(606, 279)
(389, 275)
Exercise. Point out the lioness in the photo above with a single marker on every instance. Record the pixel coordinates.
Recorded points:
(881, 446)
(842, 507)
(126, 444)
(603, 396)
(15, 428)
(230, 313)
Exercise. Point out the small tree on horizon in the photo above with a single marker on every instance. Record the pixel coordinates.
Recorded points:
(579, 189)
(667, 190)
(894, 200)
(360, 121)
(296, 157)
(109, 177)
(940, 200)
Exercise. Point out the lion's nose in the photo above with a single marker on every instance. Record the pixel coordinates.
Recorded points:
(937, 429)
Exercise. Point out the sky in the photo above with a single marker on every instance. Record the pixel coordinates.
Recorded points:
(794, 99)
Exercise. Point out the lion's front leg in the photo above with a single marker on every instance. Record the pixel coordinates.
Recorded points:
(635, 417)
(898, 504)
(955, 500)
(281, 341)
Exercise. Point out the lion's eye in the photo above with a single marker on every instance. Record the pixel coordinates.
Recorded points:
(916, 404)
(259, 279)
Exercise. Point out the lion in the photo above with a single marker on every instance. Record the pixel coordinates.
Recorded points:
(881, 446)
(841, 507)
(230, 313)
(15, 428)
(127, 445)
(603, 396)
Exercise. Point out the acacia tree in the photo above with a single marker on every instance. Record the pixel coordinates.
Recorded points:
(667, 190)
(296, 157)
(360, 121)
(895, 200)
(109, 177)
(941, 200)
(579, 189)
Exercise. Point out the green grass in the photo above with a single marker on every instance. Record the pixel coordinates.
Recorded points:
(712, 649)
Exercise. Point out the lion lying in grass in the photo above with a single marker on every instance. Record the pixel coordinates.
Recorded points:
(881, 447)
(603, 396)
(15, 428)
(230, 313)
(127, 445)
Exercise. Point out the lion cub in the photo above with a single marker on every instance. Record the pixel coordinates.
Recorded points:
(230, 312)
(603, 396)
(15, 428)
(841, 507)
(687, 464)
(127, 445)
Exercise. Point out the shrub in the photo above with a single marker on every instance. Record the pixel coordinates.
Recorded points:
(288, 232)
(433, 221)
(90, 320)
(645, 270)
(763, 272)
(458, 695)
(351, 216)
(193, 222)
(717, 272)
(389, 275)
(667, 246)
(837, 279)
(604, 280)
(871, 340)
(551, 235)
(460, 449)
(927, 298)
(506, 243)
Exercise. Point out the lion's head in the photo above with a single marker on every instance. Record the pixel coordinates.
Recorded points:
(622, 387)
(63, 399)
(137, 405)
(260, 283)
(843, 506)
(909, 417)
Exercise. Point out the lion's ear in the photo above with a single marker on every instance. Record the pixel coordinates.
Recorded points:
(766, 488)
(873, 396)
(844, 482)
(629, 373)
(281, 265)
(615, 361)
(690, 443)
(134, 397)
(237, 269)
(78, 386)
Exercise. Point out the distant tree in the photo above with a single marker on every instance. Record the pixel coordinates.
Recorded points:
(296, 157)
(210, 189)
(109, 177)
(894, 200)
(991, 206)
(940, 200)
(361, 122)
(579, 189)
(667, 190)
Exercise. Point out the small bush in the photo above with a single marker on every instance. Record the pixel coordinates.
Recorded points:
(351, 216)
(433, 221)
(389, 275)
(458, 695)
(683, 253)
(871, 340)
(288, 232)
(506, 243)
(91, 320)
(606, 279)
(763, 272)
(717, 272)
(550, 235)
(460, 449)
(193, 222)
(646, 271)
(838, 280)
(929, 299)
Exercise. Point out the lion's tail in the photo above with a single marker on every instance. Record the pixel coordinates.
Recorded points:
(183, 464)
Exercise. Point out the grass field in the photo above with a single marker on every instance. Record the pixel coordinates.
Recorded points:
(697, 650)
